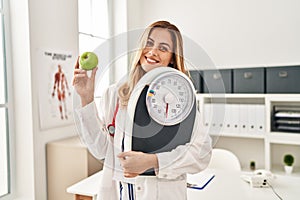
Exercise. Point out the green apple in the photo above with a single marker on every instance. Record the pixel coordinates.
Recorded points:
(88, 61)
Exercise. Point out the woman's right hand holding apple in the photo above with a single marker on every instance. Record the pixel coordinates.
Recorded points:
(83, 84)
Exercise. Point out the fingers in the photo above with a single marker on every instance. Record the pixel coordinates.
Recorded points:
(130, 175)
(74, 80)
(77, 70)
(124, 155)
(129, 161)
(77, 63)
(124, 159)
(77, 76)
(94, 73)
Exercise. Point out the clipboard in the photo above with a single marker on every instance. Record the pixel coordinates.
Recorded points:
(199, 181)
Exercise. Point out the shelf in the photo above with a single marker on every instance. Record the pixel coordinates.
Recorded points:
(284, 138)
(274, 137)
(233, 98)
(282, 97)
(241, 112)
(240, 135)
(276, 97)
(220, 95)
(279, 170)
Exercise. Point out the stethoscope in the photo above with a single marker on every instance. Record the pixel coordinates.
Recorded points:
(112, 127)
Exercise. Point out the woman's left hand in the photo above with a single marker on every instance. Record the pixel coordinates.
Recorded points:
(135, 163)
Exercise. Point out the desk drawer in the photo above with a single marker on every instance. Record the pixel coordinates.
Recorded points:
(217, 81)
(250, 80)
(283, 79)
(82, 197)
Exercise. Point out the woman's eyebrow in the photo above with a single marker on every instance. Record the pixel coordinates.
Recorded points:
(162, 43)
(150, 39)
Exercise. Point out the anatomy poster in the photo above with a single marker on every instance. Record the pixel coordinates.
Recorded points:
(55, 88)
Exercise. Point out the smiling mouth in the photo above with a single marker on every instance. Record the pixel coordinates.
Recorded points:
(151, 61)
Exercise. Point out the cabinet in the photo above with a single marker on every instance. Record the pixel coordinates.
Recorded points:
(242, 124)
(68, 161)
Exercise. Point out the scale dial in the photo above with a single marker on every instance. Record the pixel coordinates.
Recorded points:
(170, 98)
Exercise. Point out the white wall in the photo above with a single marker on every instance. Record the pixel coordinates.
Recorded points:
(53, 25)
(232, 32)
(36, 24)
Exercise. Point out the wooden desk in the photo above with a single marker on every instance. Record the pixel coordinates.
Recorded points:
(225, 185)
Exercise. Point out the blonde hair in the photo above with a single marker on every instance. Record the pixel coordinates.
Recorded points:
(137, 71)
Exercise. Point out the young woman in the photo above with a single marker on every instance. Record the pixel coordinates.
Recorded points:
(160, 45)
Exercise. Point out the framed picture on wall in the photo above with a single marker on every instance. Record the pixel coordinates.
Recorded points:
(55, 90)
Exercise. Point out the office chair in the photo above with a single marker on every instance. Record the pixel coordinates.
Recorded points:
(224, 159)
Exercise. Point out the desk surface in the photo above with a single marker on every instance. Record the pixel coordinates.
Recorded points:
(88, 186)
(225, 185)
(229, 185)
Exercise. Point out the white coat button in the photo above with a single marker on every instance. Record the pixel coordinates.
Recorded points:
(138, 188)
(165, 175)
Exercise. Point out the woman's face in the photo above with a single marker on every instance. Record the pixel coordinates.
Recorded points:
(158, 51)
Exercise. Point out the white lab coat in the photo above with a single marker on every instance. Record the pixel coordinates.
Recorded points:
(170, 181)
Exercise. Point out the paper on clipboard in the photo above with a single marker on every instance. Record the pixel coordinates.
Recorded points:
(199, 181)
